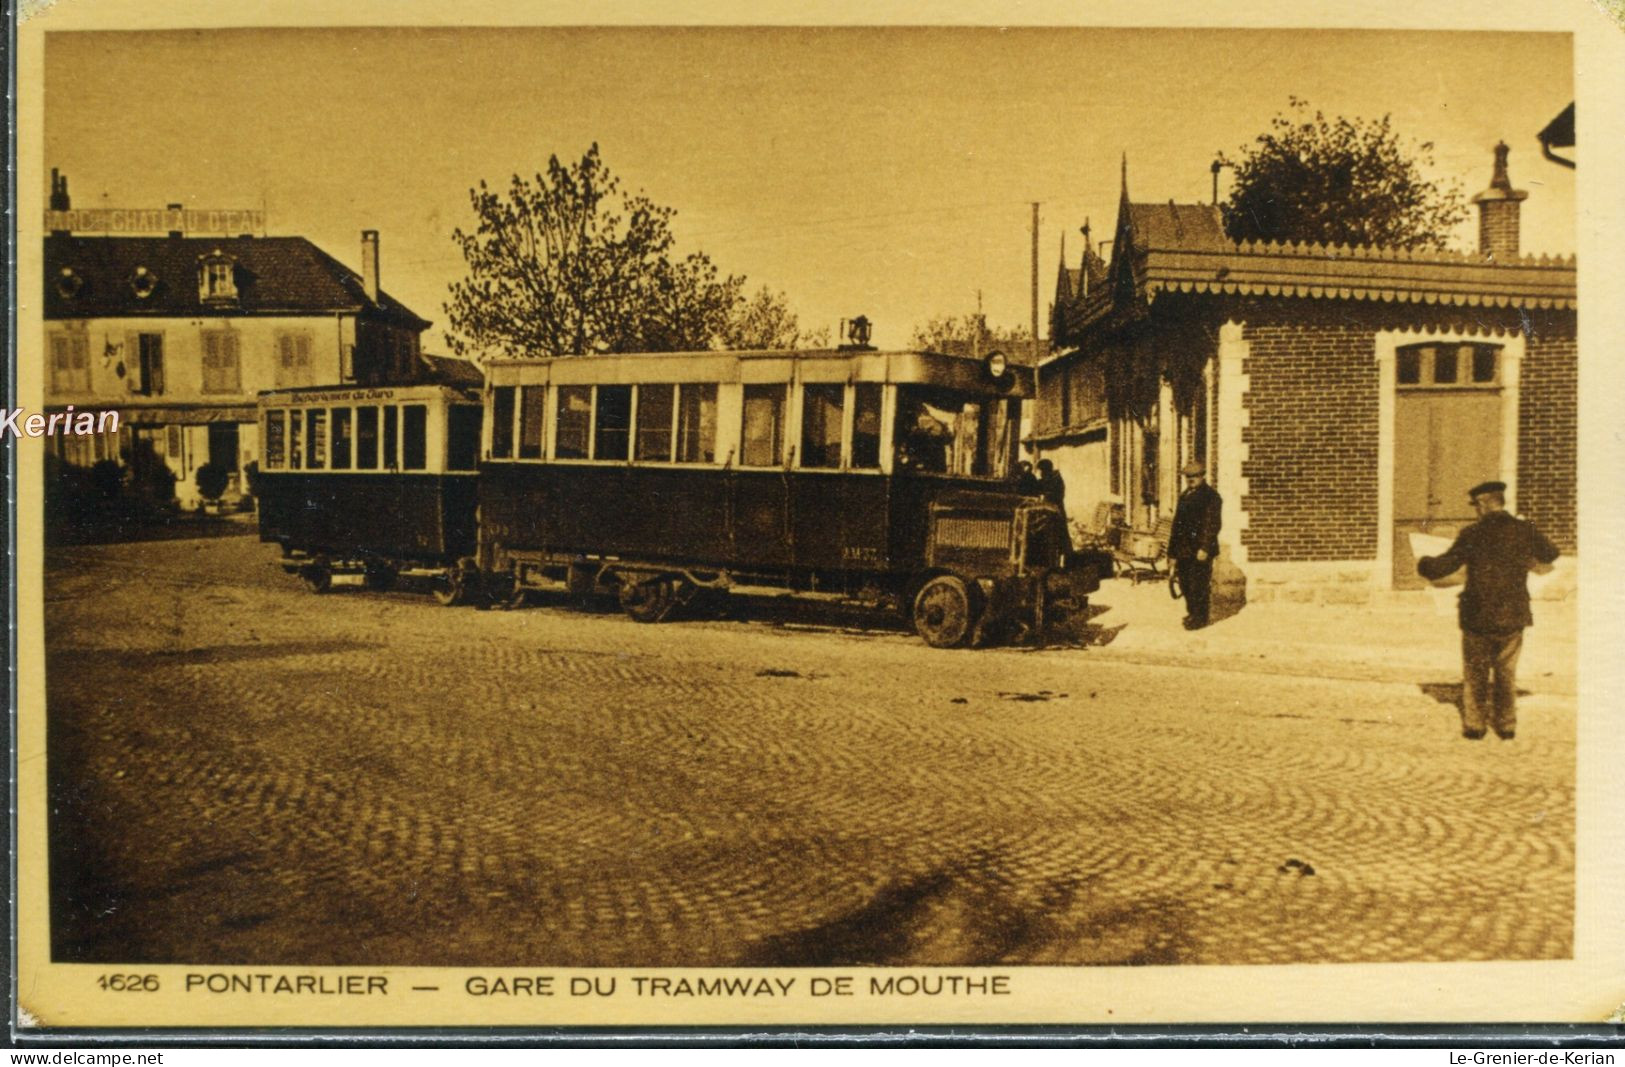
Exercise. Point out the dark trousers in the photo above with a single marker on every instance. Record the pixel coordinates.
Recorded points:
(1489, 681)
(1196, 580)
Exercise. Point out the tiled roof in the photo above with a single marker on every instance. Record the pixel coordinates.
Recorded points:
(448, 370)
(275, 275)
(1174, 225)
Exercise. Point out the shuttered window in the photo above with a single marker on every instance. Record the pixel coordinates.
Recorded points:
(70, 363)
(293, 364)
(221, 370)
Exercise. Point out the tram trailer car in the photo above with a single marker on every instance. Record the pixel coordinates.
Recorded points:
(883, 476)
(380, 482)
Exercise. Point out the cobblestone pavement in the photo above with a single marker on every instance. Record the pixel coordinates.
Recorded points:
(243, 772)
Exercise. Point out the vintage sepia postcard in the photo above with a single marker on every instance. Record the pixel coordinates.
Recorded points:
(662, 515)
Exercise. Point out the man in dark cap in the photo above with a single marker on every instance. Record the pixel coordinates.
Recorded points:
(1498, 550)
(1194, 541)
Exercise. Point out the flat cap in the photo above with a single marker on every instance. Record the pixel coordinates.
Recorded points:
(1194, 467)
(1486, 487)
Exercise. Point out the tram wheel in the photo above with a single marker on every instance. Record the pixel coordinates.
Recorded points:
(379, 577)
(456, 586)
(944, 612)
(317, 576)
(651, 600)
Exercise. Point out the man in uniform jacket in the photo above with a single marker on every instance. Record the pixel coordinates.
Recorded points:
(1194, 541)
(1498, 551)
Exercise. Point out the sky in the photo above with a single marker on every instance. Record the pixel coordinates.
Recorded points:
(883, 171)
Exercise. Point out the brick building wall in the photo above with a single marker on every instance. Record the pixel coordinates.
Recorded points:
(1312, 458)
(1548, 431)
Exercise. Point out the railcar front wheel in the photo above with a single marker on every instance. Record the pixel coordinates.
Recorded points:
(456, 586)
(944, 612)
(317, 576)
(652, 600)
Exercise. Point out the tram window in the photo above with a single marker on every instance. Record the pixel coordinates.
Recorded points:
(654, 423)
(341, 438)
(926, 437)
(315, 439)
(821, 410)
(502, 422)
(276, 438)
(612, 422)
(414, 437)
(366, 438)
(574, 422)
(296, 440)
(392, 426)
(763, 439)
(532, 409)
(866, 425)
(462, 437)
(697, 423)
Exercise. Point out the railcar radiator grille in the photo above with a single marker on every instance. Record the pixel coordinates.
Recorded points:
(955, 532)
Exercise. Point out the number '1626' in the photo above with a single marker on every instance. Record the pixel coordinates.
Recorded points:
(129, 983)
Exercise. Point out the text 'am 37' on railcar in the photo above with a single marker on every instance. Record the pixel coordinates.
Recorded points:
(880, 476)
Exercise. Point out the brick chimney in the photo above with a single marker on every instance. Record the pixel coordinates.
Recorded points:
(59, 192)
(1498, 213)
(369, 263)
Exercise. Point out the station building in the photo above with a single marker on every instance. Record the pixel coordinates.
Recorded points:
(179, 331)
(1340, 398)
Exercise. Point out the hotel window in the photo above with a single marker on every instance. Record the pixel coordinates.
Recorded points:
(148, 379)
(697, 423)
(574, 422)
(762, 442)
(654, 423)
(217, 279)
(822, 407)
(366, 438)
(293, 366)
(532, 412)
(221, 368)
(70, 363)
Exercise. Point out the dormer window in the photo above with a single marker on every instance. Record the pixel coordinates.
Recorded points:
(143, 282)
(217, 278)
(69, 283)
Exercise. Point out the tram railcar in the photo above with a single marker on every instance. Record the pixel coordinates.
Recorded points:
(380, 482)
(883, 476)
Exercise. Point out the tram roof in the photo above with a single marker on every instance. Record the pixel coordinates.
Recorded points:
(904, 367)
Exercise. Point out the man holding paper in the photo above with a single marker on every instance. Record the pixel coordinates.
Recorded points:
(1498, 551)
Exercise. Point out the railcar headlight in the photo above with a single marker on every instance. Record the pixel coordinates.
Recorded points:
(997, 365)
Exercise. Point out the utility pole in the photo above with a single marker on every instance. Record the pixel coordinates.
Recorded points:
(1036, 353)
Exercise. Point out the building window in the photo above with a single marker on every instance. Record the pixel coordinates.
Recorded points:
(149, 379)
(866, 426)
(502, 422)
(762, 443)
(366, 438)
(655, 408)
(532, 412)
(276, 439)
(1447, 366)
(697, 423)
(70, 363)
(217, 279)
(221, 370)
(822, 410)
(612, 422)
(68, 283)
(574, 422)
(143, 283)
(293, 367)
(414, 437)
